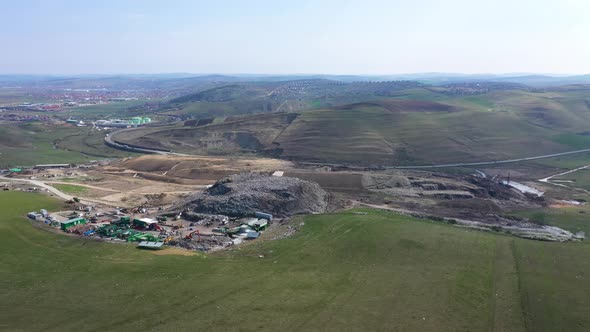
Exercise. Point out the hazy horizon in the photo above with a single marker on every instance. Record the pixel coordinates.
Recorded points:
(244, 74)
(367, 38)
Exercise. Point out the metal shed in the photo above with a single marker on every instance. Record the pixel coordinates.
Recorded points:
(150, 245)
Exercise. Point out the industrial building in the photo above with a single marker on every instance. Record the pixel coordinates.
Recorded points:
(114, 123)
(64, 225)
(144, 223)
(34, 215)
(118, 123)
(47, 166)
(150, 245)
(138, 120)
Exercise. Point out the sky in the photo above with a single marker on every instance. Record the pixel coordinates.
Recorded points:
(294, 37)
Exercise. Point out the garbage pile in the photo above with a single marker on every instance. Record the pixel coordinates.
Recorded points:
(203, 242)
(82, 229)
(242, 194)
(203, 219)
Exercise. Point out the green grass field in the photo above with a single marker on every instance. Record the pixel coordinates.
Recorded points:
(573, 219)
(38, 143)
(71, 189)
(579, 179)
(345, 271)
(104, 111)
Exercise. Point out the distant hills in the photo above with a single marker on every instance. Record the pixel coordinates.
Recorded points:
(184, 80)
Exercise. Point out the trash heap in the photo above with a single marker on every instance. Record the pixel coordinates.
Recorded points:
(202, 243)
(242, 194)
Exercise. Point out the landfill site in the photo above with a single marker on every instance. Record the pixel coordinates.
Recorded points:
(212, 203)
(225, 214)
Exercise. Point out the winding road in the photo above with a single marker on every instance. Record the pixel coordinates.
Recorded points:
(497, 161)
(478, 163)
(109, 141)
(49, 188)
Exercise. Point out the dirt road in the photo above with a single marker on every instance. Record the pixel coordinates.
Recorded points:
(56, 191)
(112, 143)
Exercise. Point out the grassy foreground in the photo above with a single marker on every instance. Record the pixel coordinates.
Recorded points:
(346, 271)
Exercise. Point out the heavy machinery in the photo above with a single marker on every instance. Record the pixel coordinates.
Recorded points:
(190, 235)
(138, 237)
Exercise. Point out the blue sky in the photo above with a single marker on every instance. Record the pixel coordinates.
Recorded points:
(281, 37)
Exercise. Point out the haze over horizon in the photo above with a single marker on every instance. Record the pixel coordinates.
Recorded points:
(264, 37)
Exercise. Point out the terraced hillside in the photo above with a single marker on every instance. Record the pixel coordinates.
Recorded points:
(247, 134)
(485, 127)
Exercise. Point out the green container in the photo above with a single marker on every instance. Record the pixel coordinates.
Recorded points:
(71, 223)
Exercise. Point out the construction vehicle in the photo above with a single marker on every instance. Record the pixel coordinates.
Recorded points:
(138, 237)
(190, 235)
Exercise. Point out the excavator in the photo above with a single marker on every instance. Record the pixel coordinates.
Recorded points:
(190, 235)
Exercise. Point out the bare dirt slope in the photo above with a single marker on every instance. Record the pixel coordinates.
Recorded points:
(204, 168)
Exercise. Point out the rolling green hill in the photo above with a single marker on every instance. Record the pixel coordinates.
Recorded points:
(417, 127)
(239, 98)
(344, 271)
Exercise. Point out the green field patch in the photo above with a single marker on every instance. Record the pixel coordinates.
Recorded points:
(577, 179)
(71, 189)
(573, 140)
(40, 143)
(573, 218)
(342, 271)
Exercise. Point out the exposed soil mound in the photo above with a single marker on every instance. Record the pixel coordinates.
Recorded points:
(243, 194)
